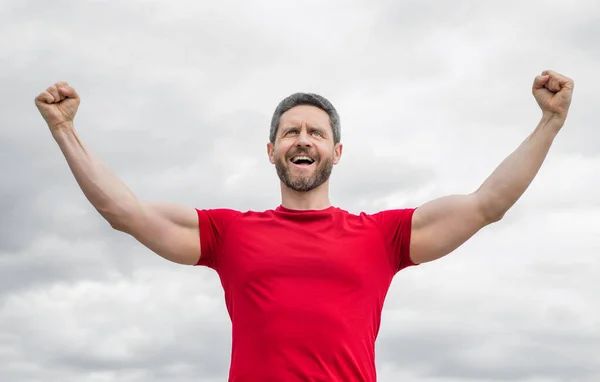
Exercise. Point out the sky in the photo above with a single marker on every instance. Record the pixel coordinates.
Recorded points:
(176, 98)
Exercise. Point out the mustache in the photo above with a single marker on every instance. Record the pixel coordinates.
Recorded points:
(312, 154)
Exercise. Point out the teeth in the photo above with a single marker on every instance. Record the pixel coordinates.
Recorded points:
(295, 159)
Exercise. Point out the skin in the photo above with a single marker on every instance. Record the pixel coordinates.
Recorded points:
(442, 225)
(438, 227)
(168, 229)
(306, 130)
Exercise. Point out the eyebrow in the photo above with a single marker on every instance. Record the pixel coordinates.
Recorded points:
(315, 127)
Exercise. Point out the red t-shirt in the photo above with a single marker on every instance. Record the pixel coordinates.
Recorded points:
(304, 289)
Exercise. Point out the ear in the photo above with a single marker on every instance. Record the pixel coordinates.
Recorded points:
(271, 152)
(337, 153)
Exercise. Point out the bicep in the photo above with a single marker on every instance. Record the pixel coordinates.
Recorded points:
(442, 225)
(167, 229)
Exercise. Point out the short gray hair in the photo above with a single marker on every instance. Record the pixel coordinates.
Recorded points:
(312, 99)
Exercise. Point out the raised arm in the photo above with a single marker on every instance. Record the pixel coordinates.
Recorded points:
(442, 225)
(169, 230)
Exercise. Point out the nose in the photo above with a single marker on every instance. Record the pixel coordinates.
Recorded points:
(303, 138)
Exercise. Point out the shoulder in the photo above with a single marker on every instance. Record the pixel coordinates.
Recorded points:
(382, 215)
(398, 213)
(229, 215)
(217, 213)
(390, 218)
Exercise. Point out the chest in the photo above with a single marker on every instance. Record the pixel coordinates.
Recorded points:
(328, 253)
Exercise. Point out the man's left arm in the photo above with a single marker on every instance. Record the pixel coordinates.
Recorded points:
(442, 225)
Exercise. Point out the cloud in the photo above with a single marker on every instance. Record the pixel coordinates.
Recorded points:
(177, 99)
(68, 328)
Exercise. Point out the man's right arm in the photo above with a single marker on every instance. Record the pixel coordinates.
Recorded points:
(169, 230)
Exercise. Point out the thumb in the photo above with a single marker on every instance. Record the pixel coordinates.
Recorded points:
(540, 81)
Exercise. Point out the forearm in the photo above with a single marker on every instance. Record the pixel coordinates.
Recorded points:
(111, 197)
(512, 177)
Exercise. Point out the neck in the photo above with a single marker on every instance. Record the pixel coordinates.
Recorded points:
(316, 199)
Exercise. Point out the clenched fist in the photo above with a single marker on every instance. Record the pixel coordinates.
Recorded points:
(58, 105)
(553, 93)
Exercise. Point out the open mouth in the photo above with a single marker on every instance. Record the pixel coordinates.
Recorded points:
(302, 161)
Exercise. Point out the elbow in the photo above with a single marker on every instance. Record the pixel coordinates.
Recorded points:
(117, 226)
(491, 212)
(122, 217)
(116, 221)
(494, 218)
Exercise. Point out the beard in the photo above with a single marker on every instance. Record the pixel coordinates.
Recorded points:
(304, 183)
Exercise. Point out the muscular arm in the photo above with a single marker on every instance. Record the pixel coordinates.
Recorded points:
(169, 230)
(111, 198)
(442, 225)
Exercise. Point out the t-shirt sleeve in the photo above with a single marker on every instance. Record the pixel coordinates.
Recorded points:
(213, 225)
(396, 226)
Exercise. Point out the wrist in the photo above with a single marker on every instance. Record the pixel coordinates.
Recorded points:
(551, 124)
(64, 133)
(61, 128)
(554, 119)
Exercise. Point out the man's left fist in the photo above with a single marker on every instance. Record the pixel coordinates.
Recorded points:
(553, 92)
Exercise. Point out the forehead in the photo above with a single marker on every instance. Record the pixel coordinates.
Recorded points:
(311, 115)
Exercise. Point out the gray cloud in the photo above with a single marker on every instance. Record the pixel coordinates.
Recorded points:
(177, 98)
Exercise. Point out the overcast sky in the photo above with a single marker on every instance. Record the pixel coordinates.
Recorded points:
(177, 97)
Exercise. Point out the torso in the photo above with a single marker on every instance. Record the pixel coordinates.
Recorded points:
(305, 294)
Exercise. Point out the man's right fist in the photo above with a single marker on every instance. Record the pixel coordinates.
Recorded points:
(58, 105)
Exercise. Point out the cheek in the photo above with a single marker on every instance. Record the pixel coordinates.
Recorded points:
(284, 149)
(327, 152)
(280, 151)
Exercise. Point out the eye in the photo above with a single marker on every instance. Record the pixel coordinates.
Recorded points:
(317, 133)
(291, 131)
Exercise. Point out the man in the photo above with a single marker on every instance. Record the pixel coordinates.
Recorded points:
(305, 283)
